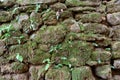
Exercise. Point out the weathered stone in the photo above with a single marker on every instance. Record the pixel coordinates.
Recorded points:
(5, 77)
(104, 72)
(116, 64)
(3, 60)
(114, 18)
(91, 17)
(32, 8)
(62, 74)
(20, 76)
(26, 2)
(16, 37)
(22, 17)
(51, 34)
(102, 41)
(31, 24)
(15, 67)
(92, 63)
(116, 77)
(44, 47)
(81, 9)
(102, 55)
(2, 47)
(14, 77)
(81, 36)
(76, 52)
(113, 8)
(36, 72)
(95, 28)
(82, 73)
(116, 49)
(66, 14)
(81, 3)
(49, 17)
(58, 6)
(101, 8)
(72, 25)
(5, 16)
(24, 50)
(6, 3)
(116, 32)
(38, 57)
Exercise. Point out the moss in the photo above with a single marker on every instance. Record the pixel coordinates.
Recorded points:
(38, 57)
(81, 36)
(25, 51)
(92, 17)
(5, 16)
(101, 55)
(76, 52)
(80, 3)
(51, 34)
(82, 73)
(62, 74)
(47, 14)
(18, 67)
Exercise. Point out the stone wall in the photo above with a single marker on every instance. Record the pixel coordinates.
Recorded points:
(59, 40)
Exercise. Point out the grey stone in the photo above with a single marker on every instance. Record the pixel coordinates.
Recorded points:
(116, 64)
(104, 72)
(72, 25)
(36, 72)
(114, 18)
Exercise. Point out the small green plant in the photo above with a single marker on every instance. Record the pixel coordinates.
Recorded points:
(55, 48)
(107, 49)
(112, 67)
(47, 13)
(65, 62)
(32, 24)
(95, 44)
(48, 63)
(19, 57)
(99, 61)
(5, 31)
(14, 10)
(19, 39)
(37, 7)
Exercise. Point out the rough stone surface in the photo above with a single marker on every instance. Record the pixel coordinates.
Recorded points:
(82, 73)
(72, 25)
(114, 18)
(117, 64)
(5, 16)
(104, 72)
(57, 74)
(51, 34)
(116, 49)
(59, 39)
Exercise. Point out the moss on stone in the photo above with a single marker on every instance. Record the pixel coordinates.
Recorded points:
(82, 73)
(62, 74)
(92, 17)
(51, 34)
(76, 52)
(18, 67)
